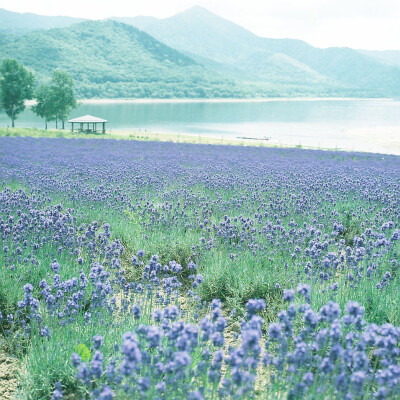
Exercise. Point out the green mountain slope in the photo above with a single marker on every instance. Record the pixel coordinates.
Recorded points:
(208, 36)
(200, 32)
(111, 59)
(232, 50)
(388, 56)
(193, 54)
(343, 65)
(21, 23)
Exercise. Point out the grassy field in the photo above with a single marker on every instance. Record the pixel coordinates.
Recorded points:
(147, 136)
(116, 251)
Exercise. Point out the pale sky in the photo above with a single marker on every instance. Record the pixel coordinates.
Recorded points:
(366, 24)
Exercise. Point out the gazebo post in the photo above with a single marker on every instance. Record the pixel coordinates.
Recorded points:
(72, 126)
(104, 127)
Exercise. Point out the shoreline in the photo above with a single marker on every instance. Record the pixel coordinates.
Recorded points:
(221, 100)
(383, 140)
(378, 140)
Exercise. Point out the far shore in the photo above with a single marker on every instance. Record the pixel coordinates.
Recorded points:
(223, 100)
(220, 100)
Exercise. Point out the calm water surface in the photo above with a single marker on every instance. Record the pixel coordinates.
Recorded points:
(311, 123)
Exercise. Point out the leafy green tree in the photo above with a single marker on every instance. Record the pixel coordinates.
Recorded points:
(16, 86)
(62, 91)
(45, 104)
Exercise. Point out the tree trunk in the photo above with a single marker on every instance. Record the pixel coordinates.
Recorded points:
(12, 122)
(56, 123)
(63, 124)
(45, 124)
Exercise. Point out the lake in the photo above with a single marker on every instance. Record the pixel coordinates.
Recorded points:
(334, 123)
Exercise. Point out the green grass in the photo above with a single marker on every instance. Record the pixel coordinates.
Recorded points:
(232, 280)
(148, 136)
(247, 274)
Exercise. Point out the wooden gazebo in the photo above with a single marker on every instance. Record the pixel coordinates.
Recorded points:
(87, 124)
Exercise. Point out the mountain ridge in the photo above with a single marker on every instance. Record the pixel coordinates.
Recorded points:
(200, 32)
(112, 59)
(222, 54)
(15, 23)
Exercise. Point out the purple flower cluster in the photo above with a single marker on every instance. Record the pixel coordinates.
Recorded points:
(332, 355)
(291, 226)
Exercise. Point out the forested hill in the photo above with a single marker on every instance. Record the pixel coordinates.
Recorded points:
(195, 54)
(229, 47)
(111, 59)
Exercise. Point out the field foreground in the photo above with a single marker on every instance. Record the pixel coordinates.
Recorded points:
(113, 254)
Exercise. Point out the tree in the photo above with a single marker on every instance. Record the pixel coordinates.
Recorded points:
(45, 104)
(16, 86)
(62, 88)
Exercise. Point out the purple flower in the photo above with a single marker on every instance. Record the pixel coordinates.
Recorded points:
(308, 378)
(136, 311)
(28, 288)
(354, 309)
(195, 395)
(57, 394)
(288, 295)
(96, 366)
(304, 290)
(330, 311)
(105, 394)
(133, 355)
(55, 266)
(253, 306)
(84, 373)
(76, 360)
(97, 341)
(154, 336)
(157, 315)
(45, 331)
(275, 331)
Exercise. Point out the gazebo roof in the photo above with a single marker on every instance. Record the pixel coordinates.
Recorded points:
(87, 118)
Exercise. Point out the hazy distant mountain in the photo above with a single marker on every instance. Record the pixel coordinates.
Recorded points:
(389, 56)
(20, 23)
(191, 54)
(201, 33)
(112, 59)
(344, 65)
(227, 47)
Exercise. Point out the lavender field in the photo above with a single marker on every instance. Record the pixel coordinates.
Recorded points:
(150, 270)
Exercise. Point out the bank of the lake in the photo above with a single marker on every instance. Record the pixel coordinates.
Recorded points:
(139, 136)
(371, 125)
(387, 138)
